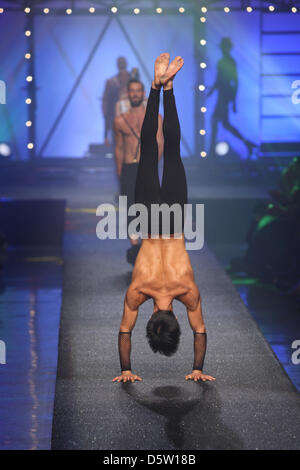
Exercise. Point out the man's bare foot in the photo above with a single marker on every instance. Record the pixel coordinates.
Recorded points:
(160, 67)
(168, 77)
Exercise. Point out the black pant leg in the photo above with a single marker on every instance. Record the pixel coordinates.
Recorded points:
(147, 187)
(174, 185)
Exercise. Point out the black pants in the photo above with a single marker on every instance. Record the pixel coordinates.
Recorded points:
(174, 188)
(127, 184)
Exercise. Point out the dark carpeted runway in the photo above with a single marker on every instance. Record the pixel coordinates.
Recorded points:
(251, 405)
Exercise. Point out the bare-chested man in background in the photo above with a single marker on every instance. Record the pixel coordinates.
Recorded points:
(127, 128)
(163, 270)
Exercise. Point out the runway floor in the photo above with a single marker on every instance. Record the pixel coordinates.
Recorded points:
(251, 405)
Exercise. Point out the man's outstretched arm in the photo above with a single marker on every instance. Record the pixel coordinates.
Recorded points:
(129, 318)
(119, 145)
(196, 321)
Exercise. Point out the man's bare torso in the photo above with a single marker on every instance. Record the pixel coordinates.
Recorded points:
(163, 272)
(132, 150)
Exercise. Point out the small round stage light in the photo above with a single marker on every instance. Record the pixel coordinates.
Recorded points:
(181, 10)
(159, 10)
(203, 109)
(46, 11)
(1, 10)
(69, 11)
(28, 101)
(30, 145)
(222, 148)
(202, 19)
(28, 123)
(201, 87)
(202, 42)
(271, 8)
(227, 10)
(203, 154)
(204, 9)
(5, 150)
(249, 9)
(203, 65)
(136, 11)
(92, 10)
(27, 33)
(27, 55)
(202, 131)
(114, 9)
(29, 78)
(294, 9)
(27, 10)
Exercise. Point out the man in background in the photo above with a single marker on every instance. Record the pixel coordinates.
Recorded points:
(226, 84)
(115, 90)
(127, 127)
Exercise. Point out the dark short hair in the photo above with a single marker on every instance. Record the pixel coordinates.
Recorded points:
(163, 332)
(134, 80)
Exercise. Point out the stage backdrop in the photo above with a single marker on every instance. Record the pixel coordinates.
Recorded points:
(259, 118)
(13, 114)
(63, 44)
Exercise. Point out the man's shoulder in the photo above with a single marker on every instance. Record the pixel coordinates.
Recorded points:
(134, 297)
(190, 296)
(118, 121)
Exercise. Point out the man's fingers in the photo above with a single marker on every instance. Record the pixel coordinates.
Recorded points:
(209, 377)
(196, 377)
(125, 379)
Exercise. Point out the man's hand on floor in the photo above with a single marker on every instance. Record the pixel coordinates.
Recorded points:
(198, 375)
(127, 376)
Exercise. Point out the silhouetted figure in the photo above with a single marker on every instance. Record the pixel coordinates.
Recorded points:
(115, 89)
(226, 83)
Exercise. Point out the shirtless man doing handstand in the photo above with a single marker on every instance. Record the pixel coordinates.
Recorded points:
(163, 270)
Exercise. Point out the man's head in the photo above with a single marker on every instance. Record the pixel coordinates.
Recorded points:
(135, 92)
(121, 63)
(226, 45)
(163, 332)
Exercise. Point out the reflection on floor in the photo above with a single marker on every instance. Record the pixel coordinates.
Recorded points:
(30, 301)
(277, 315)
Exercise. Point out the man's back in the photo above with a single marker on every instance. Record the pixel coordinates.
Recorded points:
(163, 271)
